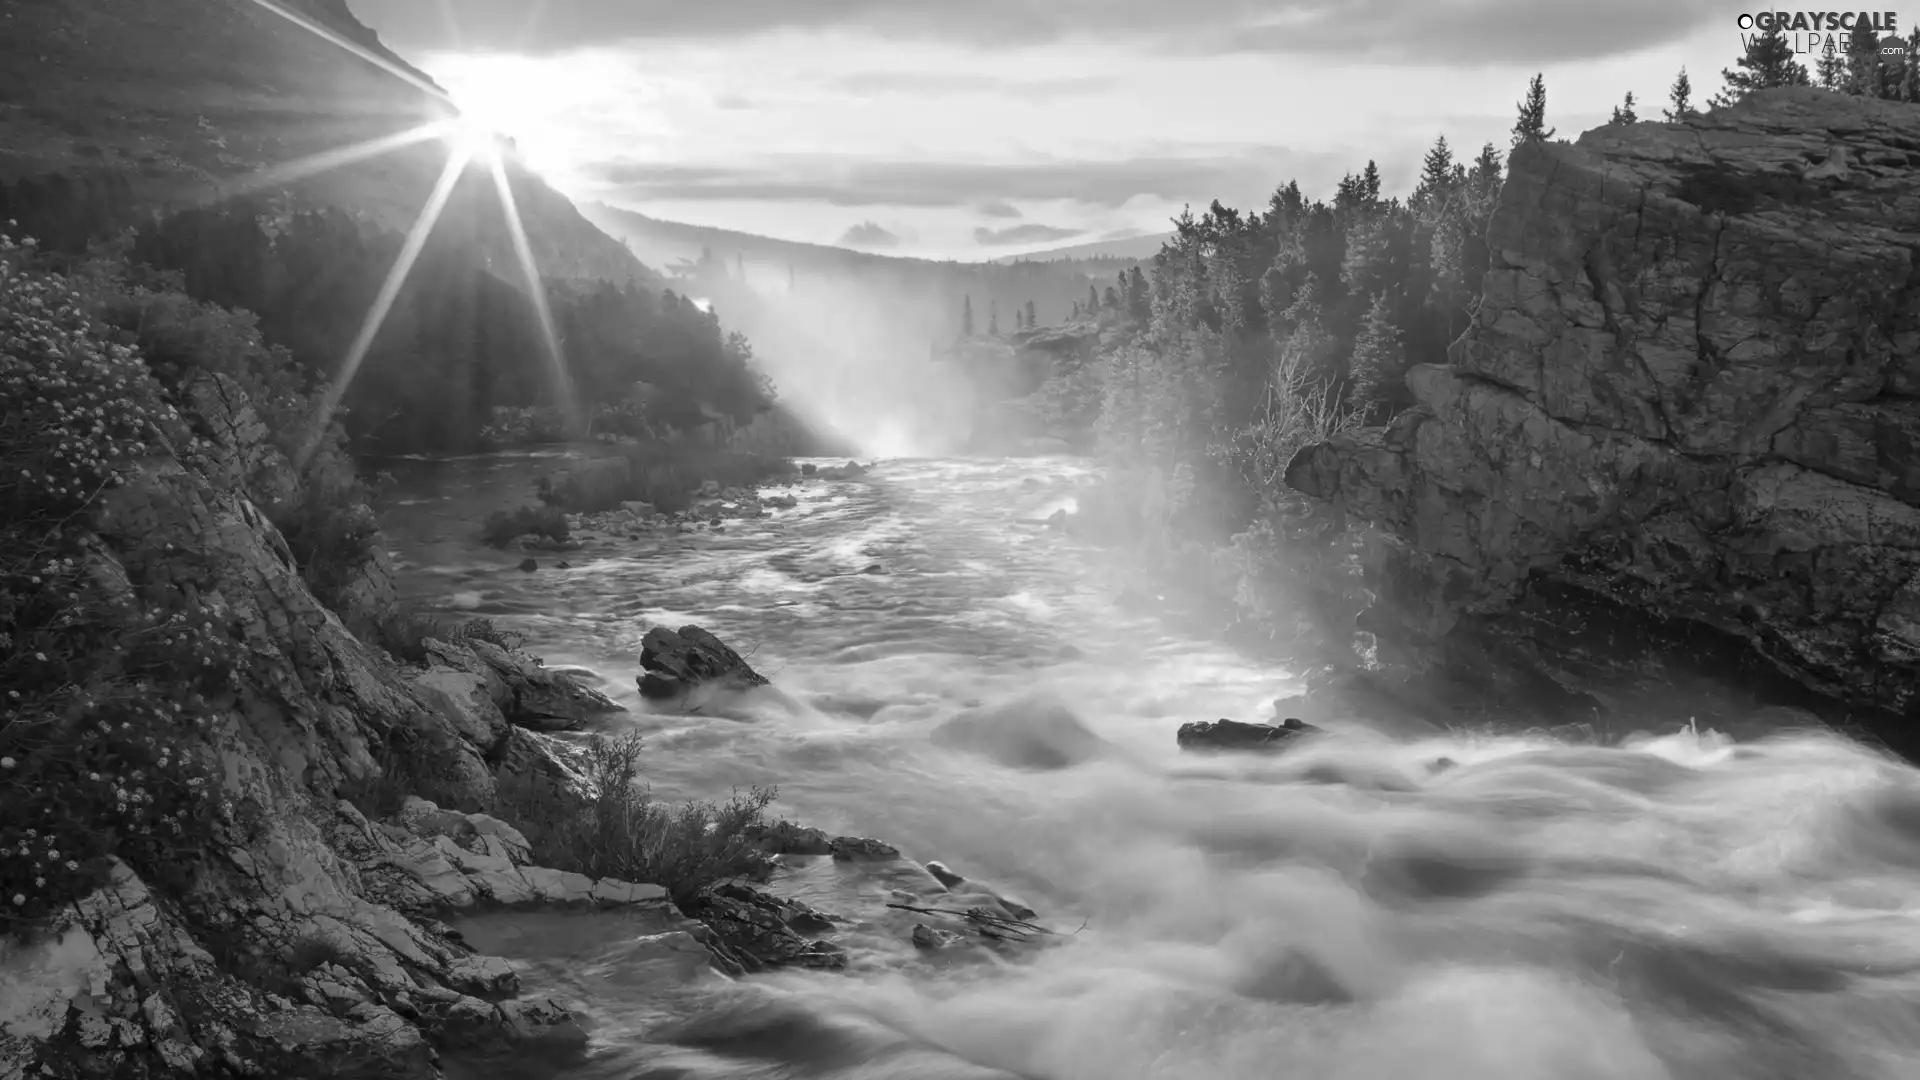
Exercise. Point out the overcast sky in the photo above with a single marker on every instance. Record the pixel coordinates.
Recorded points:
(978, 128)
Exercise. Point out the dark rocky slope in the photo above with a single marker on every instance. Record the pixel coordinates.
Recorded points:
(1691, 394)
(293, 936)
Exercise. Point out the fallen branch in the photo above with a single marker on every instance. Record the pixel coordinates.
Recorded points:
(998, 927)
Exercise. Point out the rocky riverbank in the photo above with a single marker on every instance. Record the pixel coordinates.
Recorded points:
(351, 808)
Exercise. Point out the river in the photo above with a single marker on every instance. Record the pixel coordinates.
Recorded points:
(1675, 905)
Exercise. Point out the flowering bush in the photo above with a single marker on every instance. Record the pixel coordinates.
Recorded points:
(105, 700)
(77, 410)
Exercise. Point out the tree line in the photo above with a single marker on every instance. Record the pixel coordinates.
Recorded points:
(463, 337)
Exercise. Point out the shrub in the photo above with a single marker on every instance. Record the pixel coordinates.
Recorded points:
(503, 528)
(109, 693)
(618, 831)
(405, 634)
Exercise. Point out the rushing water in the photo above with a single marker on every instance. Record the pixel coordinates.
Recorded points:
(1674, 905)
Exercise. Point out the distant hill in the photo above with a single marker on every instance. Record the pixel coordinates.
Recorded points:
(662, 243)
(925, 297)
(172, 103)
(1132, 248)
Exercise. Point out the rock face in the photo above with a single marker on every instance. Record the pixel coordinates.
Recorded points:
(1692, 389)
(679, 662)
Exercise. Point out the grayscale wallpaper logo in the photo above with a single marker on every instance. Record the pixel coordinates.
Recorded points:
(1819, 32)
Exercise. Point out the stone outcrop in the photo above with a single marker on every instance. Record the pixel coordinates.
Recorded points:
(491, 687)
(1691, 389)
(678, 663)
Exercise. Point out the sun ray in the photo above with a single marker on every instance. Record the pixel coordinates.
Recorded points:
(523, 251)
(383, 302)
(315, 164)
(355, 48)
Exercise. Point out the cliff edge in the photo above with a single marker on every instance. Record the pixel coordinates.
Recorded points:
(1692, 389)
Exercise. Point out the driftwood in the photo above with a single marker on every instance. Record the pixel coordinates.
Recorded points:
(986, 923)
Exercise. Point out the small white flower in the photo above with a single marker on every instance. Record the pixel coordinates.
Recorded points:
(7, 763)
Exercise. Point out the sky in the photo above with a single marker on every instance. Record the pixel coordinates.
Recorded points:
(973, 129)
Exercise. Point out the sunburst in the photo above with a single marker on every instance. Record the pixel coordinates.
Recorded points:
(470, 140)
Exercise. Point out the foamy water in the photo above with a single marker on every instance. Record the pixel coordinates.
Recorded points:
(1387, 902)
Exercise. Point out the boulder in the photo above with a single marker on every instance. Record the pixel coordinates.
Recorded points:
(933, 939)
(1235, 735)
(752, 931)
(528, 693)
(1691, 390)
(678, 662)
(852, 470)
(1035, 732)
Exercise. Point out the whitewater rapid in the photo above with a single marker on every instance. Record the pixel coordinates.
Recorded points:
(1386, 902)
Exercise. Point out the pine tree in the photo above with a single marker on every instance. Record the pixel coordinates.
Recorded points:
(1110, 299)
(1830, 72)
(1437, 175)
(1093, 300)
(1623, 113)
(1377, 357)
(1767, 62)
(966, 317)
(1680, 99)
(1531, 125)
(1866, 76)
(1484, 180)
(993, 318)
(1369, 187)
(1139, 295)
(1910, 69)
(1031, 323)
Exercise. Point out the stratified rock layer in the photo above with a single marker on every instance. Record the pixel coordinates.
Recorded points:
(1692, 387)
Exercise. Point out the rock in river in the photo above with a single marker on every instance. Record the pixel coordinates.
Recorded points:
(678, 662)
(1235, 735)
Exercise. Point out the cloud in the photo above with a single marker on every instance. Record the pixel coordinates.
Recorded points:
(734, 102)
(1460, 32)
(1031, 233)
(873, 84)
(868, 234)
(997, 209)
(1194, 173)
(1123, 234)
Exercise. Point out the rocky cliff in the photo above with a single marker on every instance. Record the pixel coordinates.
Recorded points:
(1692, 389)
(191, 880)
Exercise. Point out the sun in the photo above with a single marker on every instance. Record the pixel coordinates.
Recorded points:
(475, 133)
